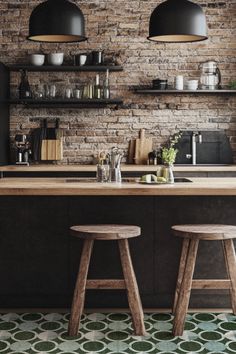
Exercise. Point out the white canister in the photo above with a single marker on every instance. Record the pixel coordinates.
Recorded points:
(179, 82)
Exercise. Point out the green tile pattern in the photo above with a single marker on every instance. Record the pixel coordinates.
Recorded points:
(39, 333)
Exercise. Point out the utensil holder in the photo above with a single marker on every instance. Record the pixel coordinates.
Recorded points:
(103, 173)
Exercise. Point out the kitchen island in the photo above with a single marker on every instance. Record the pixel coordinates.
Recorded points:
(39, 259)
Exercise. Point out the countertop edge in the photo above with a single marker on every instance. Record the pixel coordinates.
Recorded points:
(60, 187)
(124, 168)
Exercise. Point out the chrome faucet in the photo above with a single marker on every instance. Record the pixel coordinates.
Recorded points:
(194, 145)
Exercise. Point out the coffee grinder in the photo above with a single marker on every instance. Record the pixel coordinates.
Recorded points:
(23, 151)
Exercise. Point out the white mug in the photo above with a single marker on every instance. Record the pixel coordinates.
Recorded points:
(82, 59)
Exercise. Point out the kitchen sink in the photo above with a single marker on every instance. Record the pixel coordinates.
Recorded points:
(80, 180)
(125, 180)
(182, 180)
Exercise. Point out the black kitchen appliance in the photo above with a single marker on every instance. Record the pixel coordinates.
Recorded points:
(160, 84)
(23, 151)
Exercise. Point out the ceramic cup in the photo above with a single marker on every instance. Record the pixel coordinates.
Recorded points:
(83, 59)
(55, 58)
(37, 59)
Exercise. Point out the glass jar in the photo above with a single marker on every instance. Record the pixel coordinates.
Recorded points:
(103, 173)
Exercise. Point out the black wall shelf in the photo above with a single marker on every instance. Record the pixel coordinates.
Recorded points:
(63, 68)
(67, 103)
(151, 91)
(60, 102)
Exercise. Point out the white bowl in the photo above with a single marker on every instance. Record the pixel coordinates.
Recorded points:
(192, 88)
(55, 58)
(37, 59)
(192, 85)
(192, 82)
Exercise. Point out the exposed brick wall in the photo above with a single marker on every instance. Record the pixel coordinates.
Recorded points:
(120, 29)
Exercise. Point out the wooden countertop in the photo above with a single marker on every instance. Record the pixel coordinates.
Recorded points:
(125, 168)
(59, 187)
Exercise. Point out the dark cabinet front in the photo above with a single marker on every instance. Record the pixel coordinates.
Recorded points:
(39, 258)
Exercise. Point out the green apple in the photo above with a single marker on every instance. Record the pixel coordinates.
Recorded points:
(161, 179)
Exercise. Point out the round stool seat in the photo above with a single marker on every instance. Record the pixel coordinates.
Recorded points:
(205, 232)
(105, 232)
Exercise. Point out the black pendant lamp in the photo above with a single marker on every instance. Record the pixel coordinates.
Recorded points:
(178, 21)
(57, 21)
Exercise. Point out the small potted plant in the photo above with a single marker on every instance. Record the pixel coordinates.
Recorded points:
(168, 155)
(232, 85)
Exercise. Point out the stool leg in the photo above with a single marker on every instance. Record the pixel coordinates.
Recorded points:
(230, 261)
(79, 292)
(185, 289)
(134, 300)
(182, 264)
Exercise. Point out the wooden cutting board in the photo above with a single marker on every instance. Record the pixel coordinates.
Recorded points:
(131, 151)
(52, 150)
(143, 146)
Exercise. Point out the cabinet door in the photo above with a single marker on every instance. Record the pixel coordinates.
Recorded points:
(33, 252)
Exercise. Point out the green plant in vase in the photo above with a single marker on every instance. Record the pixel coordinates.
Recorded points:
(168, 155)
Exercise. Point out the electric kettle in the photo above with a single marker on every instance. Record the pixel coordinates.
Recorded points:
(210, 76)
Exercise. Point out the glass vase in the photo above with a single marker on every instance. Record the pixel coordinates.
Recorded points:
(168, 173)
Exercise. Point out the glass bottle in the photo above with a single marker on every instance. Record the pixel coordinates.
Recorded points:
(106, 86)
(97, 88)
(24, 87)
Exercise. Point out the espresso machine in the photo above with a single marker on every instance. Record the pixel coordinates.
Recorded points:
(23, 152)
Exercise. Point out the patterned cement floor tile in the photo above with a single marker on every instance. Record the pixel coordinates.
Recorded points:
(39, 333)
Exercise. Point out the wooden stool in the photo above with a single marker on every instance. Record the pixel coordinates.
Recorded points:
(191, 235)
(121, 233)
